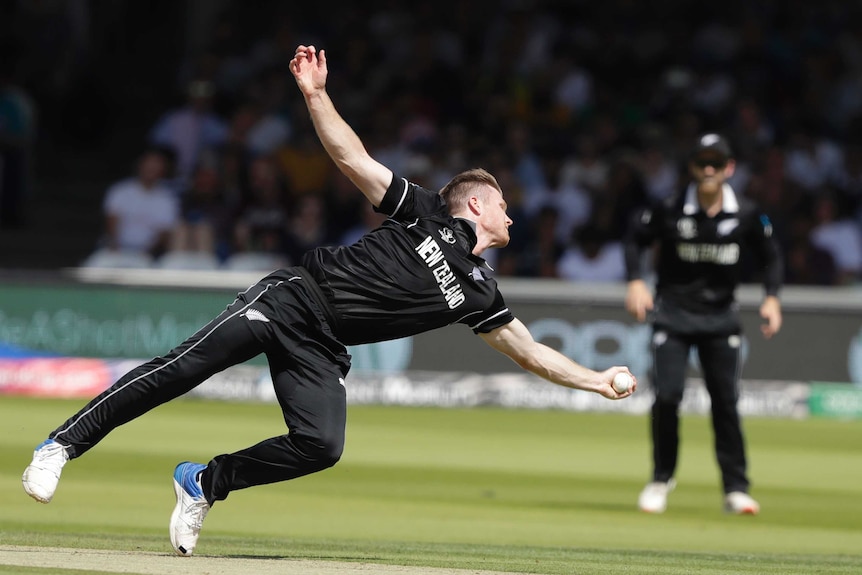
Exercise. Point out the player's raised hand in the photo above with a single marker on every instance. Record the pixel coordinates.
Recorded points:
(309, 68)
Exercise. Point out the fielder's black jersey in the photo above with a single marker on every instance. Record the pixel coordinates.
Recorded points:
(699, 258)
(414, 273)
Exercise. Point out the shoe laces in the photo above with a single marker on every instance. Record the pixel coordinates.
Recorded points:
(49, 453)
(658, 488)
(195, 513)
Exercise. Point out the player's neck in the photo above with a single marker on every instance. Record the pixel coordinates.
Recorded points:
(710, 201)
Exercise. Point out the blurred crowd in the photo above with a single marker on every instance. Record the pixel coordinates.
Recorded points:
(583, 111)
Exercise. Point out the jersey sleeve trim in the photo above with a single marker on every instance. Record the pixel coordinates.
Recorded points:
(487, 319)
(403, 197)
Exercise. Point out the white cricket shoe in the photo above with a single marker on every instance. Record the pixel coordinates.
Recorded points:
(653, 498)
(41, 477)
(191, 509)
(740, 503)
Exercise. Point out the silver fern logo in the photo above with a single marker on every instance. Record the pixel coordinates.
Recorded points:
(254, 315)
(727, 226)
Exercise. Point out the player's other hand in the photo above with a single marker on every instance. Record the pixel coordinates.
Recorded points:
(638, 299)
(770, 310)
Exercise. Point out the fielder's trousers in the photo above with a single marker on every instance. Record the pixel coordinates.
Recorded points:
(280, 316)
(719, 357)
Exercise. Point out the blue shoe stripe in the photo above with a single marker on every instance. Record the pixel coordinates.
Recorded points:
(187, 474)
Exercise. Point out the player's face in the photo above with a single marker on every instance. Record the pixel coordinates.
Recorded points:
(497, 222)
(710, 171)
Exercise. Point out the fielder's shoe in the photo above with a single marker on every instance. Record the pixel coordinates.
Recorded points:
(41, 477)
(653, 498)
(191, 508)
(740, 503)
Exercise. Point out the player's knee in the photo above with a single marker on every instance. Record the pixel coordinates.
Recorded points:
(320, 452)
(667, 401)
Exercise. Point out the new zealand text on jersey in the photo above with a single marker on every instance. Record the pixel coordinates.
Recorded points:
(429, 250)
(723, 254)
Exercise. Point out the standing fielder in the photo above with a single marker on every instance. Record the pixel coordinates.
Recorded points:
(701, 234)
(419, 271)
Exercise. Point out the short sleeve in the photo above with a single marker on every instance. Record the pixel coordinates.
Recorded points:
(405, 201)
(497, 315)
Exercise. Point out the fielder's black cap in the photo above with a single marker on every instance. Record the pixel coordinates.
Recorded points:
(713, 144)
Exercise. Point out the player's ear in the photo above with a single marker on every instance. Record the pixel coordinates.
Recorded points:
(729, 168)
(474, 205)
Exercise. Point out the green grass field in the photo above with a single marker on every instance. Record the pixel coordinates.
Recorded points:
(508, 490)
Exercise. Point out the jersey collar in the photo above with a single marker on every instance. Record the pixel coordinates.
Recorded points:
(465, 231)
(729, 203)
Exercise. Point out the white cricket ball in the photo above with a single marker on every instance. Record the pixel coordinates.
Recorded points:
(622, 382)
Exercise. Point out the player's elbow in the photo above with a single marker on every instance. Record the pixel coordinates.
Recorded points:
(527, 362)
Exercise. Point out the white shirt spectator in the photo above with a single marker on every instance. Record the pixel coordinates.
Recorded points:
(575, 90)
(660, 174)
(142, 214)
(608, 264)
(842, 239)
(573, 205)
(268, 134)
(814, 166)
(586, 168)
(189, 133)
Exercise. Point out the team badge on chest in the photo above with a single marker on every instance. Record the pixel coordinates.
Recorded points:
(687, 228)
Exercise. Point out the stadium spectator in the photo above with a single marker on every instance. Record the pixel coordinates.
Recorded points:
(548, 72)
(539, 255)
(658, 171)
(850, 181)
(262, 223)
(191, 129)
(233, 162)
(812, 162)
(625, 192)
(17, 138)
(204, 215)
(526, 161)
(571, 204)
(595, 252)
(302, 162)
(837, 233)
(750, 132)
(701, 235)
(262, 125)
(141, 212)
(307, 227)
(586, 169)
(804, 262)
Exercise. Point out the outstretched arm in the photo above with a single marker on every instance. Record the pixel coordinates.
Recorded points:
(338, 138)
(515, 340)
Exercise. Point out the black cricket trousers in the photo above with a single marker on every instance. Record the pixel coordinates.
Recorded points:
(719, 356)
(277, 317)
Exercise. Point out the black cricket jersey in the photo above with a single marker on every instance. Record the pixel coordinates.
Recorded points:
(699, 258)
(414, 273)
